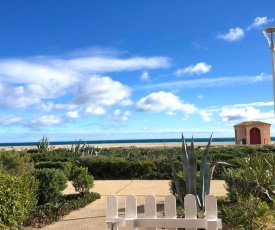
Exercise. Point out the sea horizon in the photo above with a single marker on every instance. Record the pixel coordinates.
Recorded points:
(122, 141)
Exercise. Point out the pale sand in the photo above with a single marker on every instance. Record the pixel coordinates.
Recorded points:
(92, 217)
(129, 145)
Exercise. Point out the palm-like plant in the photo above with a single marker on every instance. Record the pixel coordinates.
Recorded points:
(189, 164)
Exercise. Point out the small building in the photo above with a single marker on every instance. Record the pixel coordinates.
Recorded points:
(252, 132)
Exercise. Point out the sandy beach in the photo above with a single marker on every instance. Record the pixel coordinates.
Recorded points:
(129, 145)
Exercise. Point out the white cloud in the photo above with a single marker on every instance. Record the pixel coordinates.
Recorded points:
(200, 96)
(49, 106)
(107, 64)
(198, 69)
(163, 102)
(233, 34)
(102, 91)
(31, 80)
(210, 82)
(245, 113)
(259, 22)
(119, 115)
(47, 120)
(95, 110)
(16, 96)
(144, 76)
(9, 119)
(72, 114)
(206, 115)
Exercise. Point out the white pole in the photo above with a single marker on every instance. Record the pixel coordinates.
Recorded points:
(273, 67)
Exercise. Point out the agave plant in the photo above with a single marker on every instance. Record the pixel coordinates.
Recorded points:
(44, 144)
(189, 163)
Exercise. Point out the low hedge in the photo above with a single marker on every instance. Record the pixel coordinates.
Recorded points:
(50, 212)
(51, 183)
(106, 168)
(17, 199)
(65, 167)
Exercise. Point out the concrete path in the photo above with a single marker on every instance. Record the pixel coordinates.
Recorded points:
(92, 217)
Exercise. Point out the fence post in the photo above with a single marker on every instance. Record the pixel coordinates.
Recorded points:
(190, 208)
(130, 212)
(112, 211)
(170, 209)
(150, 210)
(211, 212)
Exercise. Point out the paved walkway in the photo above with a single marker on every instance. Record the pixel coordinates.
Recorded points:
(92, 217)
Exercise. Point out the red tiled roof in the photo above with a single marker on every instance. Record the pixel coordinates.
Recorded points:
(246, 123)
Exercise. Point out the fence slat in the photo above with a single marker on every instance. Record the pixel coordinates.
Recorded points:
(211, 209)
(150, 208)
(211, 212)
(170, 209)
(112, 209)
(130, 211)
(190, 208)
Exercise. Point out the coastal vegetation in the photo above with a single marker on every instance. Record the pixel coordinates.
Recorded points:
(32, 179)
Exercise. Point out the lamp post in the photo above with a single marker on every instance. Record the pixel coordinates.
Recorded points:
(269, 33)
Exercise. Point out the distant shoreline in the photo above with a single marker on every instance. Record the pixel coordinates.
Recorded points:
(132, 145)
(129, 145)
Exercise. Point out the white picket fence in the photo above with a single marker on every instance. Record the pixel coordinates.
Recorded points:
(150, 221)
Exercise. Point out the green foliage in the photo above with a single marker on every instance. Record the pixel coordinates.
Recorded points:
(102, 167)
(250, 189)
(84, 150)
(15, 162)
(55, 155)
(246, 214)
(65, 167)
(44, 144)
(199, 188)
(18, 199)
(50, 212)
(51, 183)
(237, 184)
(81, 180)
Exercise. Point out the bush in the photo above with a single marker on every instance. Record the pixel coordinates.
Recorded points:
(48, 213)
(55, 155)
(18, 199)
(63, 166)
(81, 180)
(104, 168)
(51, 183)
(237, 184)
(15, 163)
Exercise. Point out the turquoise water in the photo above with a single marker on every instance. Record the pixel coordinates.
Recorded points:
(226, 139)
(229, 139)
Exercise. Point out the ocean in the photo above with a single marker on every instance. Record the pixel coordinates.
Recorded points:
(56, 143)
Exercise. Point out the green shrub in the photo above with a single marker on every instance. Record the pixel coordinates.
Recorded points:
(18, 199)
(51, 183)
(81, 180)
(55, 155)
(237, 184)
(48, 213)
(246, 214)
(15, 162)
(65, 167)
(103, 167)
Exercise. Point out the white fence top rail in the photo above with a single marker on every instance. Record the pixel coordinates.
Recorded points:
(170, 220)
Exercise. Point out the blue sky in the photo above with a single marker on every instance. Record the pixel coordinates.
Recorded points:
(96, 70)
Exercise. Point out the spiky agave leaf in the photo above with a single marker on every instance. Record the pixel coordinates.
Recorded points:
(191, 186)
(175, 177)
(202, 171)
(184, 159)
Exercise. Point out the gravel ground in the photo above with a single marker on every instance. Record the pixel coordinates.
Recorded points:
(92, 217)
